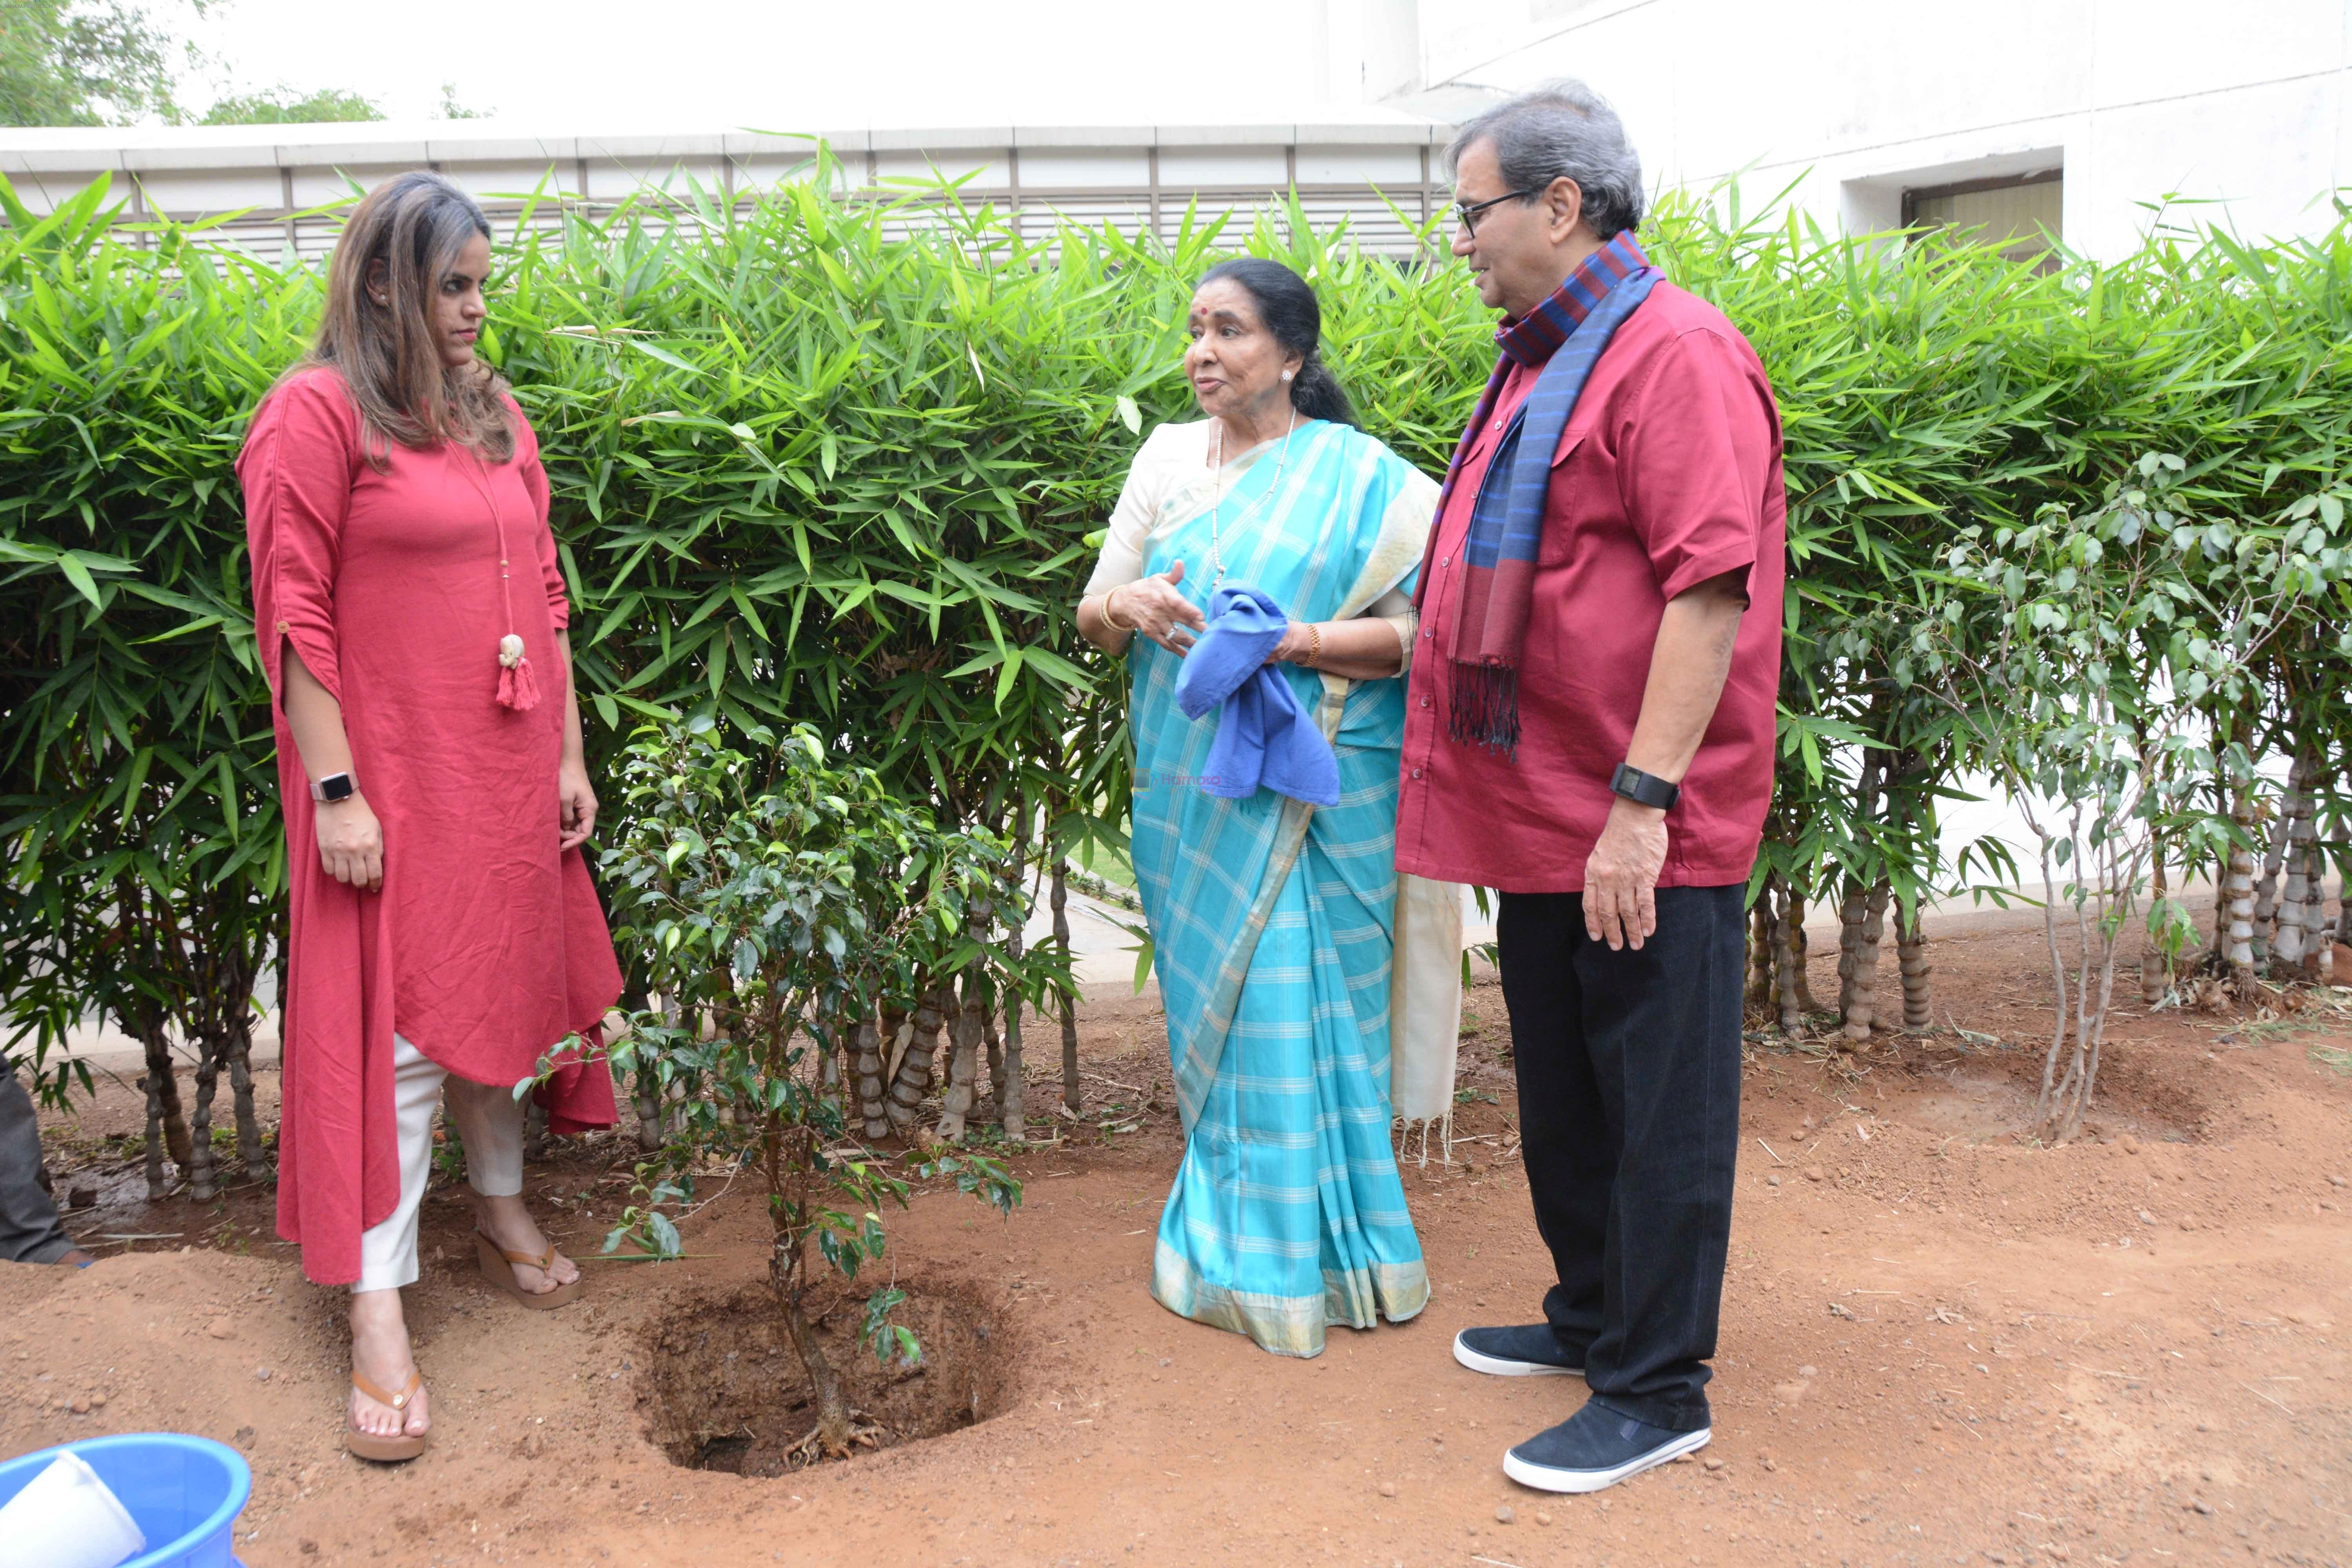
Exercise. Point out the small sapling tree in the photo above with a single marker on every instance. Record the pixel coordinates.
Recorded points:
(2074, 654)
(780, 901)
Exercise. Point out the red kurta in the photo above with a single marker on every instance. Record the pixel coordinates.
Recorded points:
(487, 945)
(1668, 473)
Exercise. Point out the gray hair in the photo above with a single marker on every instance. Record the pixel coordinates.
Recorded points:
(1562, 129)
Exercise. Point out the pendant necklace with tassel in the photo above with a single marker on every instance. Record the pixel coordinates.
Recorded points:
(517, 688)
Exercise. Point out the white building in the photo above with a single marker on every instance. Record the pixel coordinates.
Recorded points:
(264, 186)
(2075, 113)
(2075, 116)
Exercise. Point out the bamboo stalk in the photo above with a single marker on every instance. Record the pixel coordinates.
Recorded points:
(2296, 918)
(2155, 963)
(1801, 946)
(963, 1046)
(1061, 898)
(2267, 905)
(1763, 941)
(1786, 962)
(1866, 917)
(868, 1046)
(1911, 957)
(203, 1185)
(917, 1060)
(2238, 892)
(1009, 1071)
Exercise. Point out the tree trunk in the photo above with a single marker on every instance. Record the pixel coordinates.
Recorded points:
(2238, 894)
(650, 1132)
(2325, 932)
(1911, 955)
(1786, 960)
(167, 1131)
(648, 1104)
(1006, 1071)
(1862, 991)
(2155, 964)
(1061, 898)
(963, 1060)
(918, 1063)
(1763, 945)
(1800, 945)
(2319, 937)
(2267, 905)
(1866, 924)
(832, 1409)
(869, 1078)
(1851, 913)
(2297, 920)
(204, 1183)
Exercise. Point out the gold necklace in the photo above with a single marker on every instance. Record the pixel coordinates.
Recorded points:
(1217, 461)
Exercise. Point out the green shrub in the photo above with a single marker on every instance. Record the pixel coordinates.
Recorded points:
(813, 462)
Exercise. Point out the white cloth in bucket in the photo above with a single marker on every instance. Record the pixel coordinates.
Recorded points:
(67, 1518)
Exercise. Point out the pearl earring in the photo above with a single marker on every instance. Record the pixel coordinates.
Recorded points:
(1286, 375)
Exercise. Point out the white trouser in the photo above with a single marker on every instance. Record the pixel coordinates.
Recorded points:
(489, 1124)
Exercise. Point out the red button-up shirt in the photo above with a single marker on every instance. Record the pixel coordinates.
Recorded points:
(1667, 474)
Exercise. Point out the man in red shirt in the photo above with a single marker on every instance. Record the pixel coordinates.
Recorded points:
(1590, 732)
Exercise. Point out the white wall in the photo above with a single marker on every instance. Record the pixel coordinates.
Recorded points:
(2245, 105)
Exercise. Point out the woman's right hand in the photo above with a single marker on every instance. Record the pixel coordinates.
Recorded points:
(350, 843)
(1152, 606)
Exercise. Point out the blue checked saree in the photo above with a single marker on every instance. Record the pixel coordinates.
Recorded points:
(1271, 921)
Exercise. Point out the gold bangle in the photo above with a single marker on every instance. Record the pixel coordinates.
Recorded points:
(1109, 619)
(1313, 645)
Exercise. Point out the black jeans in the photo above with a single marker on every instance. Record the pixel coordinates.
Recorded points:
(1629, 1121)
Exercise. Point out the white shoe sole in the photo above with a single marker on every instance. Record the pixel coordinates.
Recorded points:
(1495, 1366)
(1544, 1479)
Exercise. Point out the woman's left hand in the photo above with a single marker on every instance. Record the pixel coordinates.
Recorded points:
(1294, 645)
(576, 814)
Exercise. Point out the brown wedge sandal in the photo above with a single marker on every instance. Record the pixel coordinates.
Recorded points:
(387, 1451)
(497, 1268)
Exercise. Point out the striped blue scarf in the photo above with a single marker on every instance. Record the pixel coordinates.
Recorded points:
(1565, 334)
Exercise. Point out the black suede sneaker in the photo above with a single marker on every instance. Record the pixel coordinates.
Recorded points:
(1528, 1350)
(1596, 1448)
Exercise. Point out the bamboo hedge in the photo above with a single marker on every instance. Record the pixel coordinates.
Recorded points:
(816, 464)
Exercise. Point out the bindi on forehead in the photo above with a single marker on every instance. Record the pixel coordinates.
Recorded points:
(1224, 306)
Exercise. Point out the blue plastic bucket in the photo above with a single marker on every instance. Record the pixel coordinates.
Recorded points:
(185, 1493)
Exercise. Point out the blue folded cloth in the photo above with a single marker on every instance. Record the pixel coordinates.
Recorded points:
(1264, 736)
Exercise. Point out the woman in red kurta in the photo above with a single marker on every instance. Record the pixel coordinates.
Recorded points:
(444, 936)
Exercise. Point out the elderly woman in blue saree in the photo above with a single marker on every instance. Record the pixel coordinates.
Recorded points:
(1274, 920)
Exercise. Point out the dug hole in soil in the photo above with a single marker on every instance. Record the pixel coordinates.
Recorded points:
(723, 1391)
(1940, 1345)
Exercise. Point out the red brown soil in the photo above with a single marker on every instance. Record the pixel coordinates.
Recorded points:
(1951, 1347)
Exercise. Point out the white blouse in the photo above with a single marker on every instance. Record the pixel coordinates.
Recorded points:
(1170, 456)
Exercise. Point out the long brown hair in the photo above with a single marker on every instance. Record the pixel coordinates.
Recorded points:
(412, 227)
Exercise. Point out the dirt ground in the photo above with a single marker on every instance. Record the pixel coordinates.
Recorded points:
(1939, 1344)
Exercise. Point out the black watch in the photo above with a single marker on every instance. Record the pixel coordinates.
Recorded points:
(1644, 789)
(333, 787)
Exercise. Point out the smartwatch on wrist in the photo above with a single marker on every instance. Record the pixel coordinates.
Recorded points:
(1644, 789)
(333, 787)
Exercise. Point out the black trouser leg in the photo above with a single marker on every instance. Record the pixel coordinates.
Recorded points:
(29, 1231)
(1565, 1141)
(1629, 1114)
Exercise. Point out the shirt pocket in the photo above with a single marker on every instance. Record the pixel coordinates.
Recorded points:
(1569, 475)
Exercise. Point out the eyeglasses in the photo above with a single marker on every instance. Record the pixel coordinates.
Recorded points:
(1468, 211)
